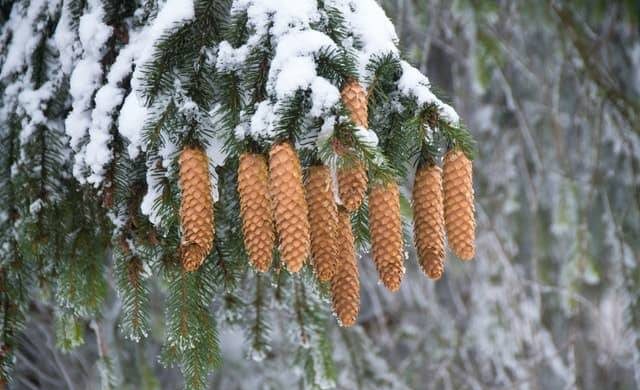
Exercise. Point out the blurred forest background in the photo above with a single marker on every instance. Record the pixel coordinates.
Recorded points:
(551, 92)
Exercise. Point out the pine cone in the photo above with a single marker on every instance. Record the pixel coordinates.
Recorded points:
(428, 220)
(386, 234)
(196, 208)
(255, 208)
(459, 208)
(345, 284)
(289, 205)
(352, 186)
(323, 221)
(354, 98)
(352, 181)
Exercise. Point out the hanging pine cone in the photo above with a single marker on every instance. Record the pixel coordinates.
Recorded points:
(459, 209)
(323, 221)
(255, 208)
(196, 208)
(345, 284)
(386, 234)
(352, 179)
(428, 220)
(352, 186)
(289, 205)
(354, 98)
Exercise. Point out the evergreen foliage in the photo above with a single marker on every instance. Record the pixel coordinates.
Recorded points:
(82, 194)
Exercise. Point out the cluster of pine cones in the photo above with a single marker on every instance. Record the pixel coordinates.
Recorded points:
(276, 202)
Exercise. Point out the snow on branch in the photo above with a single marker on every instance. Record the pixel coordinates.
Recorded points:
(134, 112)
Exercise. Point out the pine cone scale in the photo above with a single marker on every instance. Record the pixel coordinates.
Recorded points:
(255, 209)
(352, 186)
(196, 208)
(352, 180)
(354, 98)
(323, 221)
(345, 283)
(289, 205)
(386, 234)
(459, 208)
(428, 215)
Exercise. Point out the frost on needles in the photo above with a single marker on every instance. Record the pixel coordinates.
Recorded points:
(98, 100)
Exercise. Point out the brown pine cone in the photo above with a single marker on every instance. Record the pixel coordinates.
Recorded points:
(428, 220)
(289, 205)
(323, 221)
(386, 234)
(196, 208)
(345, 284)
(255, 208)
(352, 180)
(352, 186)
(354, 98)
(459, 208)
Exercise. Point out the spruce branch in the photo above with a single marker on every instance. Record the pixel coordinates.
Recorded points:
(258, 333)
(458, 136)
(333, 24)
(134, 291)
(291, 114)
(191, 334)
